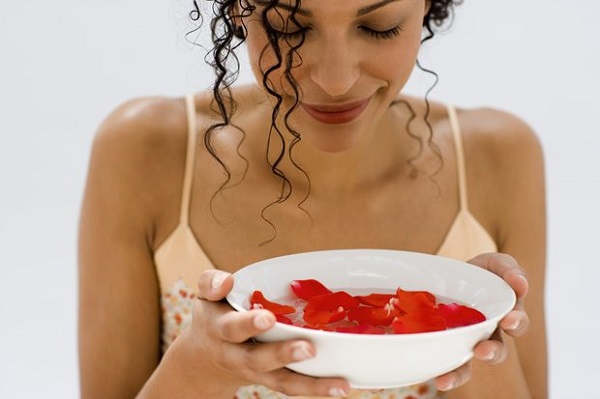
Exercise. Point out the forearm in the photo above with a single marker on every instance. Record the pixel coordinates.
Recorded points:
(503, 381)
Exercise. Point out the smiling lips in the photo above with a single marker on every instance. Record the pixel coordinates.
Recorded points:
(336, 114)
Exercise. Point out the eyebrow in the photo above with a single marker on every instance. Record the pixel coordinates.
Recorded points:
(307, 13)
(373, 7)
(287, 7)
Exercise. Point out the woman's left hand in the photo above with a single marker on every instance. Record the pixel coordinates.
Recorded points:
(515, 323)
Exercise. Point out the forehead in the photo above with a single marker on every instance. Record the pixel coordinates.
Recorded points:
(311, 7)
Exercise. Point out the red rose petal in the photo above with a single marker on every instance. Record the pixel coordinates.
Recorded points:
(375, 300)
(332, 301)
(258, 300)
(373, 316)
(316, 317)
(459, 315)
(405, 311)
(283, 319)
(306, 289)
(410, 301)
(418, 322)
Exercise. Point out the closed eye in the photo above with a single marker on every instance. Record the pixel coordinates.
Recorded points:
(291, 35)
(386, 34)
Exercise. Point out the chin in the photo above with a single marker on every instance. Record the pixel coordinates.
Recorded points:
(334, 140)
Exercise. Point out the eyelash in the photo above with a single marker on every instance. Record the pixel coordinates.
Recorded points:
(384, 35)
(291, 35)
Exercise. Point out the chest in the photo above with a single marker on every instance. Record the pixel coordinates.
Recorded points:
(242, 225)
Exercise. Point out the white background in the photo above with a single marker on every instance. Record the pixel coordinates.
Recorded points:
(65, 64)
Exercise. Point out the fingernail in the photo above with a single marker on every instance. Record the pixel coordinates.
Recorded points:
(217, 280)
(448, 386)
(338, 392)
(524, 279)
(490, 356)
(263, 321)
(514, 326)
(301, 351)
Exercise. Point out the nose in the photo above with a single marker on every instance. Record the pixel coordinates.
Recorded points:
(335, 67)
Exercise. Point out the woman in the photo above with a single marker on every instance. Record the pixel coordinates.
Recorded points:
(181, 193)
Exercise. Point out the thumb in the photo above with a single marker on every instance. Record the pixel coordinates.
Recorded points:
(214, 285)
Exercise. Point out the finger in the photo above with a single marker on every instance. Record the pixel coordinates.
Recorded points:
(266, 357)
(517, 279)
(214, 285)
(238, 327)
(516, 323)
(492, 351)
(454, 379)
(294, 384)
(507, 268)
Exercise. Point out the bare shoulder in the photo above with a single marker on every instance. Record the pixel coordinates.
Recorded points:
(498, 132)
(501, 144)
(490, 136)
(139, 153)
(505, 171)
(142, 124)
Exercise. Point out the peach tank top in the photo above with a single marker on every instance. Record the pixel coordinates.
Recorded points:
(180, 260)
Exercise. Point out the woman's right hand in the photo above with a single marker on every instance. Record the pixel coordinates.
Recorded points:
(221, 339)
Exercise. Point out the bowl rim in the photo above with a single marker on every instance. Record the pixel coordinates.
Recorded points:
(291, 329)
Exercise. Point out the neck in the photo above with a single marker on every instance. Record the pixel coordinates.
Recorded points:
(382, 151)
(379, 157)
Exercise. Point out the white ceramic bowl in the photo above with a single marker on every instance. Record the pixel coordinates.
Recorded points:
(380, 361)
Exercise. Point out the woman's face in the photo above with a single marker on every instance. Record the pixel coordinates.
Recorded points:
(356, 57)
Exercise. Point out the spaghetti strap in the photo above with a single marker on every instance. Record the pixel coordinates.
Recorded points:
(460, 157)
(189, 160)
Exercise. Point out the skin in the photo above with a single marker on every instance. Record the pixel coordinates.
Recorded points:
(135, 174)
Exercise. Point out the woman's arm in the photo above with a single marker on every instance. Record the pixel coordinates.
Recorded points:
(119, 309)
(130, 186)
(506, 175)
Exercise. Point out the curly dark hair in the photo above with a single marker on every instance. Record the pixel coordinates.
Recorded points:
(227, 36)
(439, 12)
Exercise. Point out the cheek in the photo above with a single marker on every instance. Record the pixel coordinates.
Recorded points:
(256, 42)
(254, 47)
(397, 59)
(396, 63)
(262, 60)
